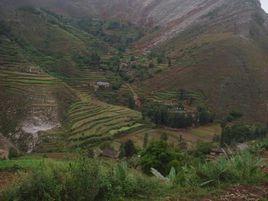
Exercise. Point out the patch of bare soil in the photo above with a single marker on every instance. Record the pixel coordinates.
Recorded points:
(247, 193)
(6, 179)
(244, 193)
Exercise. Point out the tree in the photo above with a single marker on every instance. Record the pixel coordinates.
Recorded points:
(203, 148)
(157, 155)
(145, 140)
(4, 28)
(160, 59)
(95, 59)
(204, 116)
(169, 62)
(131, 102)
(240, 133)
(234, 115)
(182, 94)
(127, 149)
(163, 115)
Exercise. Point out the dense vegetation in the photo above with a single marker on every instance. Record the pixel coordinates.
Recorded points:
(82, 180)
(174, 169)
(176, 116)
(240, 133)
(117, 33)
(190, 168)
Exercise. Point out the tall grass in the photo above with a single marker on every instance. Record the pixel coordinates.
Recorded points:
(84, 180)
(242, 168)
(90, 180)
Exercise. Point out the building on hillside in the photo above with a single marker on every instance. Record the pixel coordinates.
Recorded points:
(100, 85)
(103, 84)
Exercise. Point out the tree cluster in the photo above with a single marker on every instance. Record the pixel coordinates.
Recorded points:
(240, 133)
(160, 156)
(176, 118)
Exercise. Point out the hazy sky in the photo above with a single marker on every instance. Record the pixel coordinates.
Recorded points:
(265, 5)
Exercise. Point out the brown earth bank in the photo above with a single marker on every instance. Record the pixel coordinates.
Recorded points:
(235, 193)
(243, 193)
(7, 178)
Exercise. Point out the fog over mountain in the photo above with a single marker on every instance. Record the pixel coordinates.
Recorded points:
(264, 4)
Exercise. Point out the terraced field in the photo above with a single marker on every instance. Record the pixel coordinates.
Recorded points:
(167, 96)
(35, 86)
(89, 121)
(87, 78)
(92, 121)
(175, 136)
(162, 96)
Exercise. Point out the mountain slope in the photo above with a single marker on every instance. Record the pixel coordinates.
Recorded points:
(48, 48)
(224, 54)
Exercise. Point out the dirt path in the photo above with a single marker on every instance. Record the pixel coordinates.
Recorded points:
(135, 96)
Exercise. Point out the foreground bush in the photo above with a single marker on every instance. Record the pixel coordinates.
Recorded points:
(191, 168)
(84, 180)
(243, 168)
(160, 156)
(240, 133)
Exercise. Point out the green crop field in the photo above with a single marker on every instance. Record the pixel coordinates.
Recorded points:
(94, 120)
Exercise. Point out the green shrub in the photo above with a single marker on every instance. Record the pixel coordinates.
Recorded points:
(234, 115)
(127, 149)
(13, 153)
(165, 115)
(242, 168)
(240, 133)
(119, 182)
(202, 149)
(204, 116)
(43, 184)
(4, 28)
(259, 147)
(158, 155)
(83, 180)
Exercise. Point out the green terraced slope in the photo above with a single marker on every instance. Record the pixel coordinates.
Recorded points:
(92, 122)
